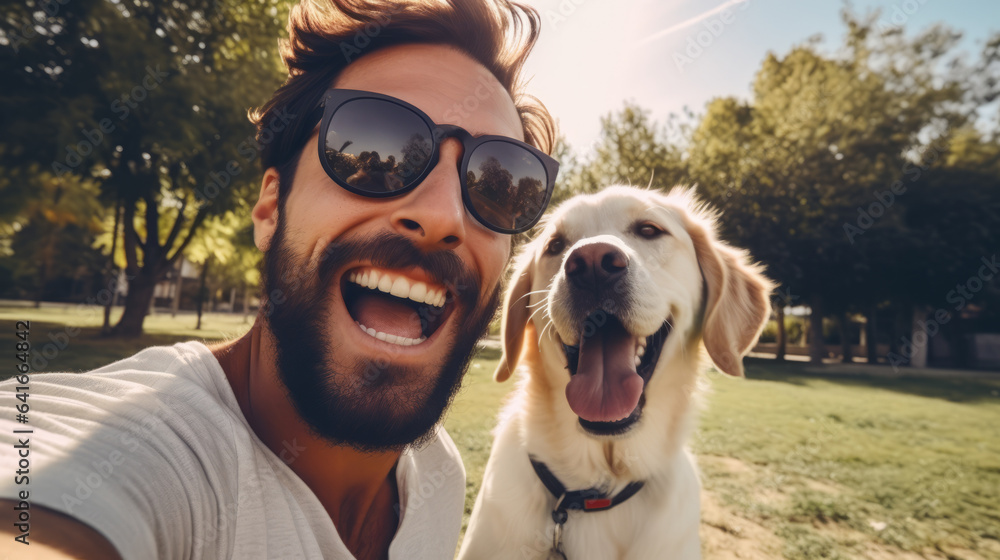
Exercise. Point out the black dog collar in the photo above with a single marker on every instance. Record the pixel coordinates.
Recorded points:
(589, 499)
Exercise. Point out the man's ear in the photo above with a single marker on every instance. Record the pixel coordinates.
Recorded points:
(265, 212)
(515, 314)
(737, 306)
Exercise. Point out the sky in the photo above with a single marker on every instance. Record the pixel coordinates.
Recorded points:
(593, 55)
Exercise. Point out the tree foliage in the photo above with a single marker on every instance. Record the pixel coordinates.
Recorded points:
(858, 176)
(148, 99)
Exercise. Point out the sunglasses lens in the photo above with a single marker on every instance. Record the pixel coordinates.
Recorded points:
(507, 185)
(377, 146)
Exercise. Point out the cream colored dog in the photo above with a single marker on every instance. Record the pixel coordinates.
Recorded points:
(605, 316)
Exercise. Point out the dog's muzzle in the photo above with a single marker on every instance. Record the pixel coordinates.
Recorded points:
(596, 268)
(609, 366)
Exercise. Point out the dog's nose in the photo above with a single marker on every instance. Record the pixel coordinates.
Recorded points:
(595, 265)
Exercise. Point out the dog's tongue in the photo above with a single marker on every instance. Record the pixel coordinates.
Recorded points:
(606, 386)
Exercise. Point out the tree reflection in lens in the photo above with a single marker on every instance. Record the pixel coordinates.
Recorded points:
(367, 171)
(496, 196)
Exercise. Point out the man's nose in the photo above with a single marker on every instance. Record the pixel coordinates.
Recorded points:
(433, 214)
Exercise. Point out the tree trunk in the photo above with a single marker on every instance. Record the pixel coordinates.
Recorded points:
(817, 348)
(106, 325)
(42, 280)
(156, 259)
(140, 294)
(918, 338)
(894, 326)
(178, 285)
(846, 352)
(871, 338)
(779, 352)
(961, 352)
(201, 291)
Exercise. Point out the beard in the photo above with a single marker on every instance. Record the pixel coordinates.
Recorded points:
(370, 404)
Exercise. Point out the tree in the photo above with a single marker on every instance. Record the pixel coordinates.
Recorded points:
(823, 139)
(632, 149)
(224, 248)
(51, 231)
(163, 130)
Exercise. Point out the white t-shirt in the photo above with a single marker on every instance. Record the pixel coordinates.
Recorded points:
(154, 453)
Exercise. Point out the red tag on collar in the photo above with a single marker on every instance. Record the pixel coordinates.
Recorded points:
(597, 504)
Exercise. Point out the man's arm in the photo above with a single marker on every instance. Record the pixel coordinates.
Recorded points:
(53, 536)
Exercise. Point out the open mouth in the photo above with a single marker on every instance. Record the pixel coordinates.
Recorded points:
(609, 371)
(393, 307)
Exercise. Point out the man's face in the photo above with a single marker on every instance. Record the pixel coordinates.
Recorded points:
(374, 392)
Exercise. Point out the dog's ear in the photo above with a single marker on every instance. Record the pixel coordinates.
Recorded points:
(515, 315)
(737, 303)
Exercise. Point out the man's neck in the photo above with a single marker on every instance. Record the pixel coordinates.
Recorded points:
(358, 489)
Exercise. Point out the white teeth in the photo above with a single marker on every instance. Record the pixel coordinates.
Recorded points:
(385, 283)
(436, 298)
(640, 350)
(418, 292)
(391, 338)
(399, 286)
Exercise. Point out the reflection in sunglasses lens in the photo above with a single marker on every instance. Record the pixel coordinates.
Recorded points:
(377, 146)
(506, 184)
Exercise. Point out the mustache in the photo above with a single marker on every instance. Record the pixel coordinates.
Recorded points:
(389, 250)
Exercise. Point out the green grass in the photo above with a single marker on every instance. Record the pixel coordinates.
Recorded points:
(86, 349)
(828, 467)
(471, 419)
(833, 465)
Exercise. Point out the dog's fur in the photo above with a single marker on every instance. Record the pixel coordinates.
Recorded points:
(709, 292)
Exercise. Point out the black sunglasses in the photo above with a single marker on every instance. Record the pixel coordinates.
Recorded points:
(379, 146)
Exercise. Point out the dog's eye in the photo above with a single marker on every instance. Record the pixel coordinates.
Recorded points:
(649, 231)
(555, 246)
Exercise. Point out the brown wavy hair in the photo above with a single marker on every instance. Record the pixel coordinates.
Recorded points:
(324, 36)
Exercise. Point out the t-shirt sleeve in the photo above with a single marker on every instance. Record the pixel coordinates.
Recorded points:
(123, 453)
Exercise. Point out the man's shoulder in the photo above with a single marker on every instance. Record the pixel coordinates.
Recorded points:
(173, 394)
(190, 360)
(125, 446)
(438, 451)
